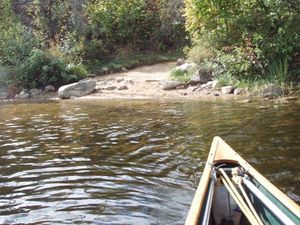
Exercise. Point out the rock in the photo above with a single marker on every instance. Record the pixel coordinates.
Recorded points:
(186, 67)
(120, 80)
(179, 62)
(245, 101)
(110, 88)
(203, 85)
(129, 82)
(227, 90)
(124, 69)
(210, 83)
(239, 91)
(124, 87)
(170, 85)
(272, 91)
(105, 70)
(78, 89)
(49, 88)
(202, 76)
(23, 94)
(216, 84)
(3, 94)
(34, 92)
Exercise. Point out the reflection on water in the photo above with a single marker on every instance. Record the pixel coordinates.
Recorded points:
(131, 162)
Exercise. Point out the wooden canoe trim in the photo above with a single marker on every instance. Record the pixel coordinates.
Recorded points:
(221, 152)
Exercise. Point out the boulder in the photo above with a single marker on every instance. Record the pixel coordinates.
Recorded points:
(186, 67)
(239, 91)
(170, 85)
(78, 89)
(272, 91)
(202, 76)
(227, 90)
(49, 88)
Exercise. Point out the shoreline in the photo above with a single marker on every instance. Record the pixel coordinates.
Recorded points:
(145, 83)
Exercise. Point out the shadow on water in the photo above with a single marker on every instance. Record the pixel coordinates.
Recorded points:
(131, 162)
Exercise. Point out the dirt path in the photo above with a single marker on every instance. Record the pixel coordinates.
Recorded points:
(142, 83)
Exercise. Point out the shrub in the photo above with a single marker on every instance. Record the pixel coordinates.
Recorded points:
(200, 52)
(43, 69)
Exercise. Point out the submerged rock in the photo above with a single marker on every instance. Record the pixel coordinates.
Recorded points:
(78, 89)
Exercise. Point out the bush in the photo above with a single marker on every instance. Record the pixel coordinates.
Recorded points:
(43, 69)
(200, 52)
(16, 41)
(256, 33)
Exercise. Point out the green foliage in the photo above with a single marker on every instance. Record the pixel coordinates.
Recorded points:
(249, 35)
(123, 22)
(43, 69)
(16, 41)
(182, 76)
(200, 52)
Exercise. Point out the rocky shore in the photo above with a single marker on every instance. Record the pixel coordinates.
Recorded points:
(147, 82)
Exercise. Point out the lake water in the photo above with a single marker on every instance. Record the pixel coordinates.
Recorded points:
(132, 162)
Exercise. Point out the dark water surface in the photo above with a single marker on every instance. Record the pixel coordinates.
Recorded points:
(132, 162)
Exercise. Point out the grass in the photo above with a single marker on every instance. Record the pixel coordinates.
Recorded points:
(181, 76)
(276, 74)
(130, 62)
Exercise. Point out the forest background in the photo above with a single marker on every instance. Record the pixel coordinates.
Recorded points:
(55, 42)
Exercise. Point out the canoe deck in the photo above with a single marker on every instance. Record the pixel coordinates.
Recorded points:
(232, 192)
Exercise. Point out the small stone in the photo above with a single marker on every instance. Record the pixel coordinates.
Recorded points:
(210, 83)
(120, 80)
(110, 88)
(238, 91)
(49, 88)
(35, 92)
(180, 61)
(216, 84)
(130, 82)
(124, 87)
(124, 69)
(245, 101)
(105, 70)
(170, 85)
(227, 90)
